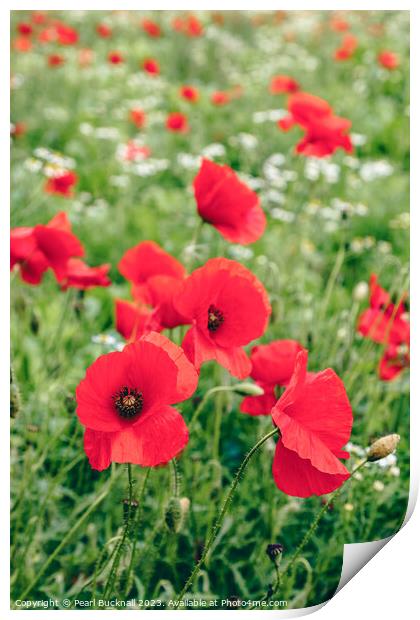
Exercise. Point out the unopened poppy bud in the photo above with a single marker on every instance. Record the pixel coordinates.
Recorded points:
(185, 506)
(173, 515)
(383, 447)
(129, 508)
(248, 389)
(274, 551)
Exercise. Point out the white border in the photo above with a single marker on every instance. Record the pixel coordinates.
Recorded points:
(397, 564)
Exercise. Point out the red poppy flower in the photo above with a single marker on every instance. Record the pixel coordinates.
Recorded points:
(228, 308)
(133, 320)
(138, 117)
(151, 28)
(22, 44)
(55, 60)
(65, 34)
(339, 24)
(151, 66)
(226, 202)
(272, 365)
(189, 93)
(324, 137)
(18, 129)
(383, 322)
(283, 84)
(160, 292)
(389, 60)
(305, 110)
(177, 122)
(347, 48)
(394, 360)
(124, 404)
(24, 29)
(147, 259)
(220, 98)
(314, 418)
(38, 18)
(193, 27)
(42, 247)
(61, 184)
(325, 132)
(104, 31)
(81, 276)
(115, 58)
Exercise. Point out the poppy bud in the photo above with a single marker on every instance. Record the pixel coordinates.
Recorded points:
(34, 323)
(14, 396)
(274, 552)
(129, 508)
(248, 389)
(383, 447)
(174, 515)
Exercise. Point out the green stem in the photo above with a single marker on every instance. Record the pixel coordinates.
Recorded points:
(136, 527)
(127, 527)
(312, 529)
(214, 390)
(70, 534)
(223, 510)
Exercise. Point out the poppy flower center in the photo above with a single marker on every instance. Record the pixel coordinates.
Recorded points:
(215, 318)
(128, 402)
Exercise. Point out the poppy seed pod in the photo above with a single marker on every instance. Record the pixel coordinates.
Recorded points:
(174, 515)
(274, 551)
(383, 447)
(248, 389)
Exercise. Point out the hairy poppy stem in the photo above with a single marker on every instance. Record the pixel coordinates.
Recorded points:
(136, 526)
(127, 528)
(310, 532)
(225, 506)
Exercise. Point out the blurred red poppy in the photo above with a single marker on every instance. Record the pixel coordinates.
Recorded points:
(148, 259)
(347, 48)
(151, 66)
(224, 201)
(124, 404)
(62, 183)
(220, 97)
(66, 35)
(177, 122)
(383, 322)
(134, 319)
(315, 419)
(151, 28)
(339, 24)
(115, 58)
(272, 365)
(18, 129)
(228, 308)
(104, 31)
(283, 84)
(55, 60)
(24, 29)
(325, 132)
(189, 93)
(80, 275)
(388, 60)
(394, 360)
(138, 117)
(86, 56)
(42, 247)
(22, 44)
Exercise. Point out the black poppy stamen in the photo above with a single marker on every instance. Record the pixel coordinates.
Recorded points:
(215, 318)
(128, 402)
